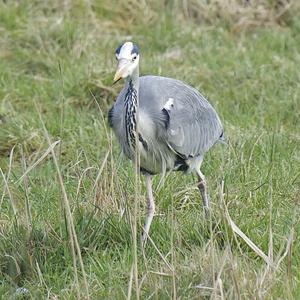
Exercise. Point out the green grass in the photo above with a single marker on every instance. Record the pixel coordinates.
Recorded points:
(57, 59)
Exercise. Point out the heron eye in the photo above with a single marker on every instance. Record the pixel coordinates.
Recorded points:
(134, 58)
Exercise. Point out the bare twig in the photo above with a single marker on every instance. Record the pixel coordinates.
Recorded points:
(242, 235)
(29, 169)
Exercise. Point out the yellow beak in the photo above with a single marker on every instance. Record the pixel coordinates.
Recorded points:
(120, 70)
(118, 76)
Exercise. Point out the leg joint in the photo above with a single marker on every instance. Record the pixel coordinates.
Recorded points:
(202, 185)
(150, 207)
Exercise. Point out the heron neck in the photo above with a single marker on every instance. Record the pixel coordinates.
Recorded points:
(131, 103)
(133, 81)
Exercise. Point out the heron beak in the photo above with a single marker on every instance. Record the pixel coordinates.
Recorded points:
(118, 76)
(121, 69)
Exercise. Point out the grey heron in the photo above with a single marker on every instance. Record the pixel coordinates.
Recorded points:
(170, 123)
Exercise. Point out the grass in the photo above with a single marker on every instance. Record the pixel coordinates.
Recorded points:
(57, 64)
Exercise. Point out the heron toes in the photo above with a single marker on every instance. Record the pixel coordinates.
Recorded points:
(144, 238)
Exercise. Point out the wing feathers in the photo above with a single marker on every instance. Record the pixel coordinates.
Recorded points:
(191, 125)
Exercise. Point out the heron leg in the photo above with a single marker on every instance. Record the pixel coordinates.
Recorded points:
(203, 191)
(150, 208)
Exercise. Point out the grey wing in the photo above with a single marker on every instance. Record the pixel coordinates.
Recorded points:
(194, 127)
(115, 117)
(190, 124)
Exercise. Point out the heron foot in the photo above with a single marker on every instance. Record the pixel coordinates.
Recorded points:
(206, 211)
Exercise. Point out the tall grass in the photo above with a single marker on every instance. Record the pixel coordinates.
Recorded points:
(72, 208)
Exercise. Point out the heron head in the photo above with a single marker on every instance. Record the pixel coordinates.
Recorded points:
(127, 56)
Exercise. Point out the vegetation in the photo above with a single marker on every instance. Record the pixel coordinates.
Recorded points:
(69, 203)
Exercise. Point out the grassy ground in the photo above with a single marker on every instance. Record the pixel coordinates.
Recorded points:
(57, 61)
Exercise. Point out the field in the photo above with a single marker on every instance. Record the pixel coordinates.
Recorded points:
(71, 211)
